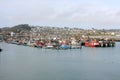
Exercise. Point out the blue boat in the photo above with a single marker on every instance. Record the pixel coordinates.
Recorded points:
(65, 47)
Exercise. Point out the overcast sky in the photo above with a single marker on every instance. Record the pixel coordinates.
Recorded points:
(70, 13)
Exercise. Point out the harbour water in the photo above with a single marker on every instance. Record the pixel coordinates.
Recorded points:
(27, 63)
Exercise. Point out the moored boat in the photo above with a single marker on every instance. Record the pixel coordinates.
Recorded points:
(49, 46)
(100, 43)
(0, 50)
(91, 44)
(65, 46)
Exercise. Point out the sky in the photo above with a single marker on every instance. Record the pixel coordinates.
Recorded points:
(86, 14)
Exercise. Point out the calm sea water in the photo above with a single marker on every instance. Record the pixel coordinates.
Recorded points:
(26, 63)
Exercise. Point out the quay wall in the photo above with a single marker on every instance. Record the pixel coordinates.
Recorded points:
(117, 38)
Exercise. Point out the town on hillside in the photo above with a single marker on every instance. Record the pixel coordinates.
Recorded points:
(40, 36)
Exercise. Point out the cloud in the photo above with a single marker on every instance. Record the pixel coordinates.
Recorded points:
(89, 14)
(59, 12)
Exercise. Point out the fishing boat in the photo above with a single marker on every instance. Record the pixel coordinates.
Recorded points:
(39, 44)
(92, 43)
(100, 43)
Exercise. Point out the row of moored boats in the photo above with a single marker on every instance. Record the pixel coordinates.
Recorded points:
(68, 44)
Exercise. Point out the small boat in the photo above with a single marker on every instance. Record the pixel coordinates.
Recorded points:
(65, 46)
(49, 46)
(39, 44)
(0, 50)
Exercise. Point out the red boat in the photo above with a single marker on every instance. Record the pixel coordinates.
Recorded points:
(40, 43)
(91, 44)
